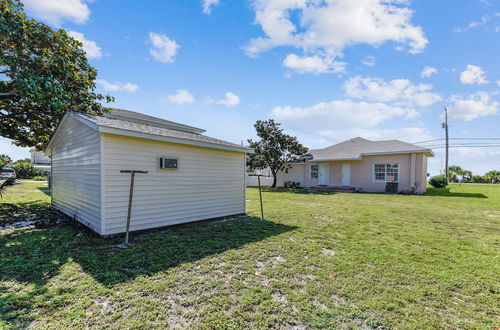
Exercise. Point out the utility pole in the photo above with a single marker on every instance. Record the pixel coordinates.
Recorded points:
(445, 126)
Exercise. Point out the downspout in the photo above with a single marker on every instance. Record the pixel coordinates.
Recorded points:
(412, 170)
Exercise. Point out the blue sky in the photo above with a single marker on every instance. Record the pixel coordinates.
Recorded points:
(327, 70)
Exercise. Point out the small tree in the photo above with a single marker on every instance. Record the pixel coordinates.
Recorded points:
(477, 179)
(275, 149)
(464, 175)
(4, 161)
(453, 171)
(493, 176)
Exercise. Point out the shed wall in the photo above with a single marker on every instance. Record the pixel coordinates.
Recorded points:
(208, 183)
(76, 175)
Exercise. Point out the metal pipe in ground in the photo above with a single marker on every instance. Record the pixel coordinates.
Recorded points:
(130, 199)
(260, 194)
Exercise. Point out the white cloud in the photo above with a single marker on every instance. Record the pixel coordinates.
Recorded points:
(336, 117)
(208, 4)
(474, 24)
(163, 48)
(181, 96)
(428, 71)
(398, 91)
(117, 86)
(313, 64)
(498, 83)
(57, 11)
(230, 100)
(89, 46)
(369, 60)
(473, 75)
(473, 106)
(324, 28)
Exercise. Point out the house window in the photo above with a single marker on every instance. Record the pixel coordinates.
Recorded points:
(386, 172)
(314, 171)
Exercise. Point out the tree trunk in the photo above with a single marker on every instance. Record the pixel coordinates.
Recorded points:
(274, 178)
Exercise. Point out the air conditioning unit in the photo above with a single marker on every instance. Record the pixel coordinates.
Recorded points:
(168, 163)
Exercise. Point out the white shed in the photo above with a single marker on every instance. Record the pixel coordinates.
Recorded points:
(190, 176)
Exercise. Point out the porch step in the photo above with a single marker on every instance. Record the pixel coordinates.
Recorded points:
(333, 189)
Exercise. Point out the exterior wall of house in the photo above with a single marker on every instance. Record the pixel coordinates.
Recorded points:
(362, 172)
(294, 173)
(421, 173)
(412, 169)
(76, 175)
(208, 183)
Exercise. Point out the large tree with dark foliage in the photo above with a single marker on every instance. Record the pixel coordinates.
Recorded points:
(275, 149)
(43, 73)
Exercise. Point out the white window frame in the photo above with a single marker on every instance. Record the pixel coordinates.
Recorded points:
(385, 172)
(311, 172)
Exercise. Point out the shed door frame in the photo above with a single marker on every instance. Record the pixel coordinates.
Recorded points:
(323, 177)
(346, 175)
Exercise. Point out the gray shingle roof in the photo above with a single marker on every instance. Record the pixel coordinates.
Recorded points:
(358, 147)
(131, 126)
(150, 120)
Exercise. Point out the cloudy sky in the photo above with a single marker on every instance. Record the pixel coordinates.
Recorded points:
(328, 70)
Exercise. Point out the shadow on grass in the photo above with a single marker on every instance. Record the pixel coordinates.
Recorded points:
(35, 210)
(45, 190)
(445, 192)
(300, 191)
(35, 256)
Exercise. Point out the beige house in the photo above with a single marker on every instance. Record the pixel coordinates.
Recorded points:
(190, 176)
(362, 165)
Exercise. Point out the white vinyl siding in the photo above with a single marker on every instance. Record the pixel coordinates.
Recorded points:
(208, 183)
(76, 175)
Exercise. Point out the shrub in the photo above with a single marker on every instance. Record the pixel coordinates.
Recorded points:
(24, 170)
(478, 179)
(291, 185)
(40, 178)
(439, 181)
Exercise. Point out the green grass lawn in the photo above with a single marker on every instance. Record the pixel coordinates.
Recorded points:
(319, 261)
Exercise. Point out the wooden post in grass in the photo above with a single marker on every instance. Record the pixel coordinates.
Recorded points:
(260, 194)
(130, 196)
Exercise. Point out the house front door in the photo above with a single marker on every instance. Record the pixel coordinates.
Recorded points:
(323, 175)
(346, 174)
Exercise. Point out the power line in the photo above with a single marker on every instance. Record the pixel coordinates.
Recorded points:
(465, 146)
(472, 138)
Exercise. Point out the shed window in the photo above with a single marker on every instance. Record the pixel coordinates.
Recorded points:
(314, 171)
(386, 172)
